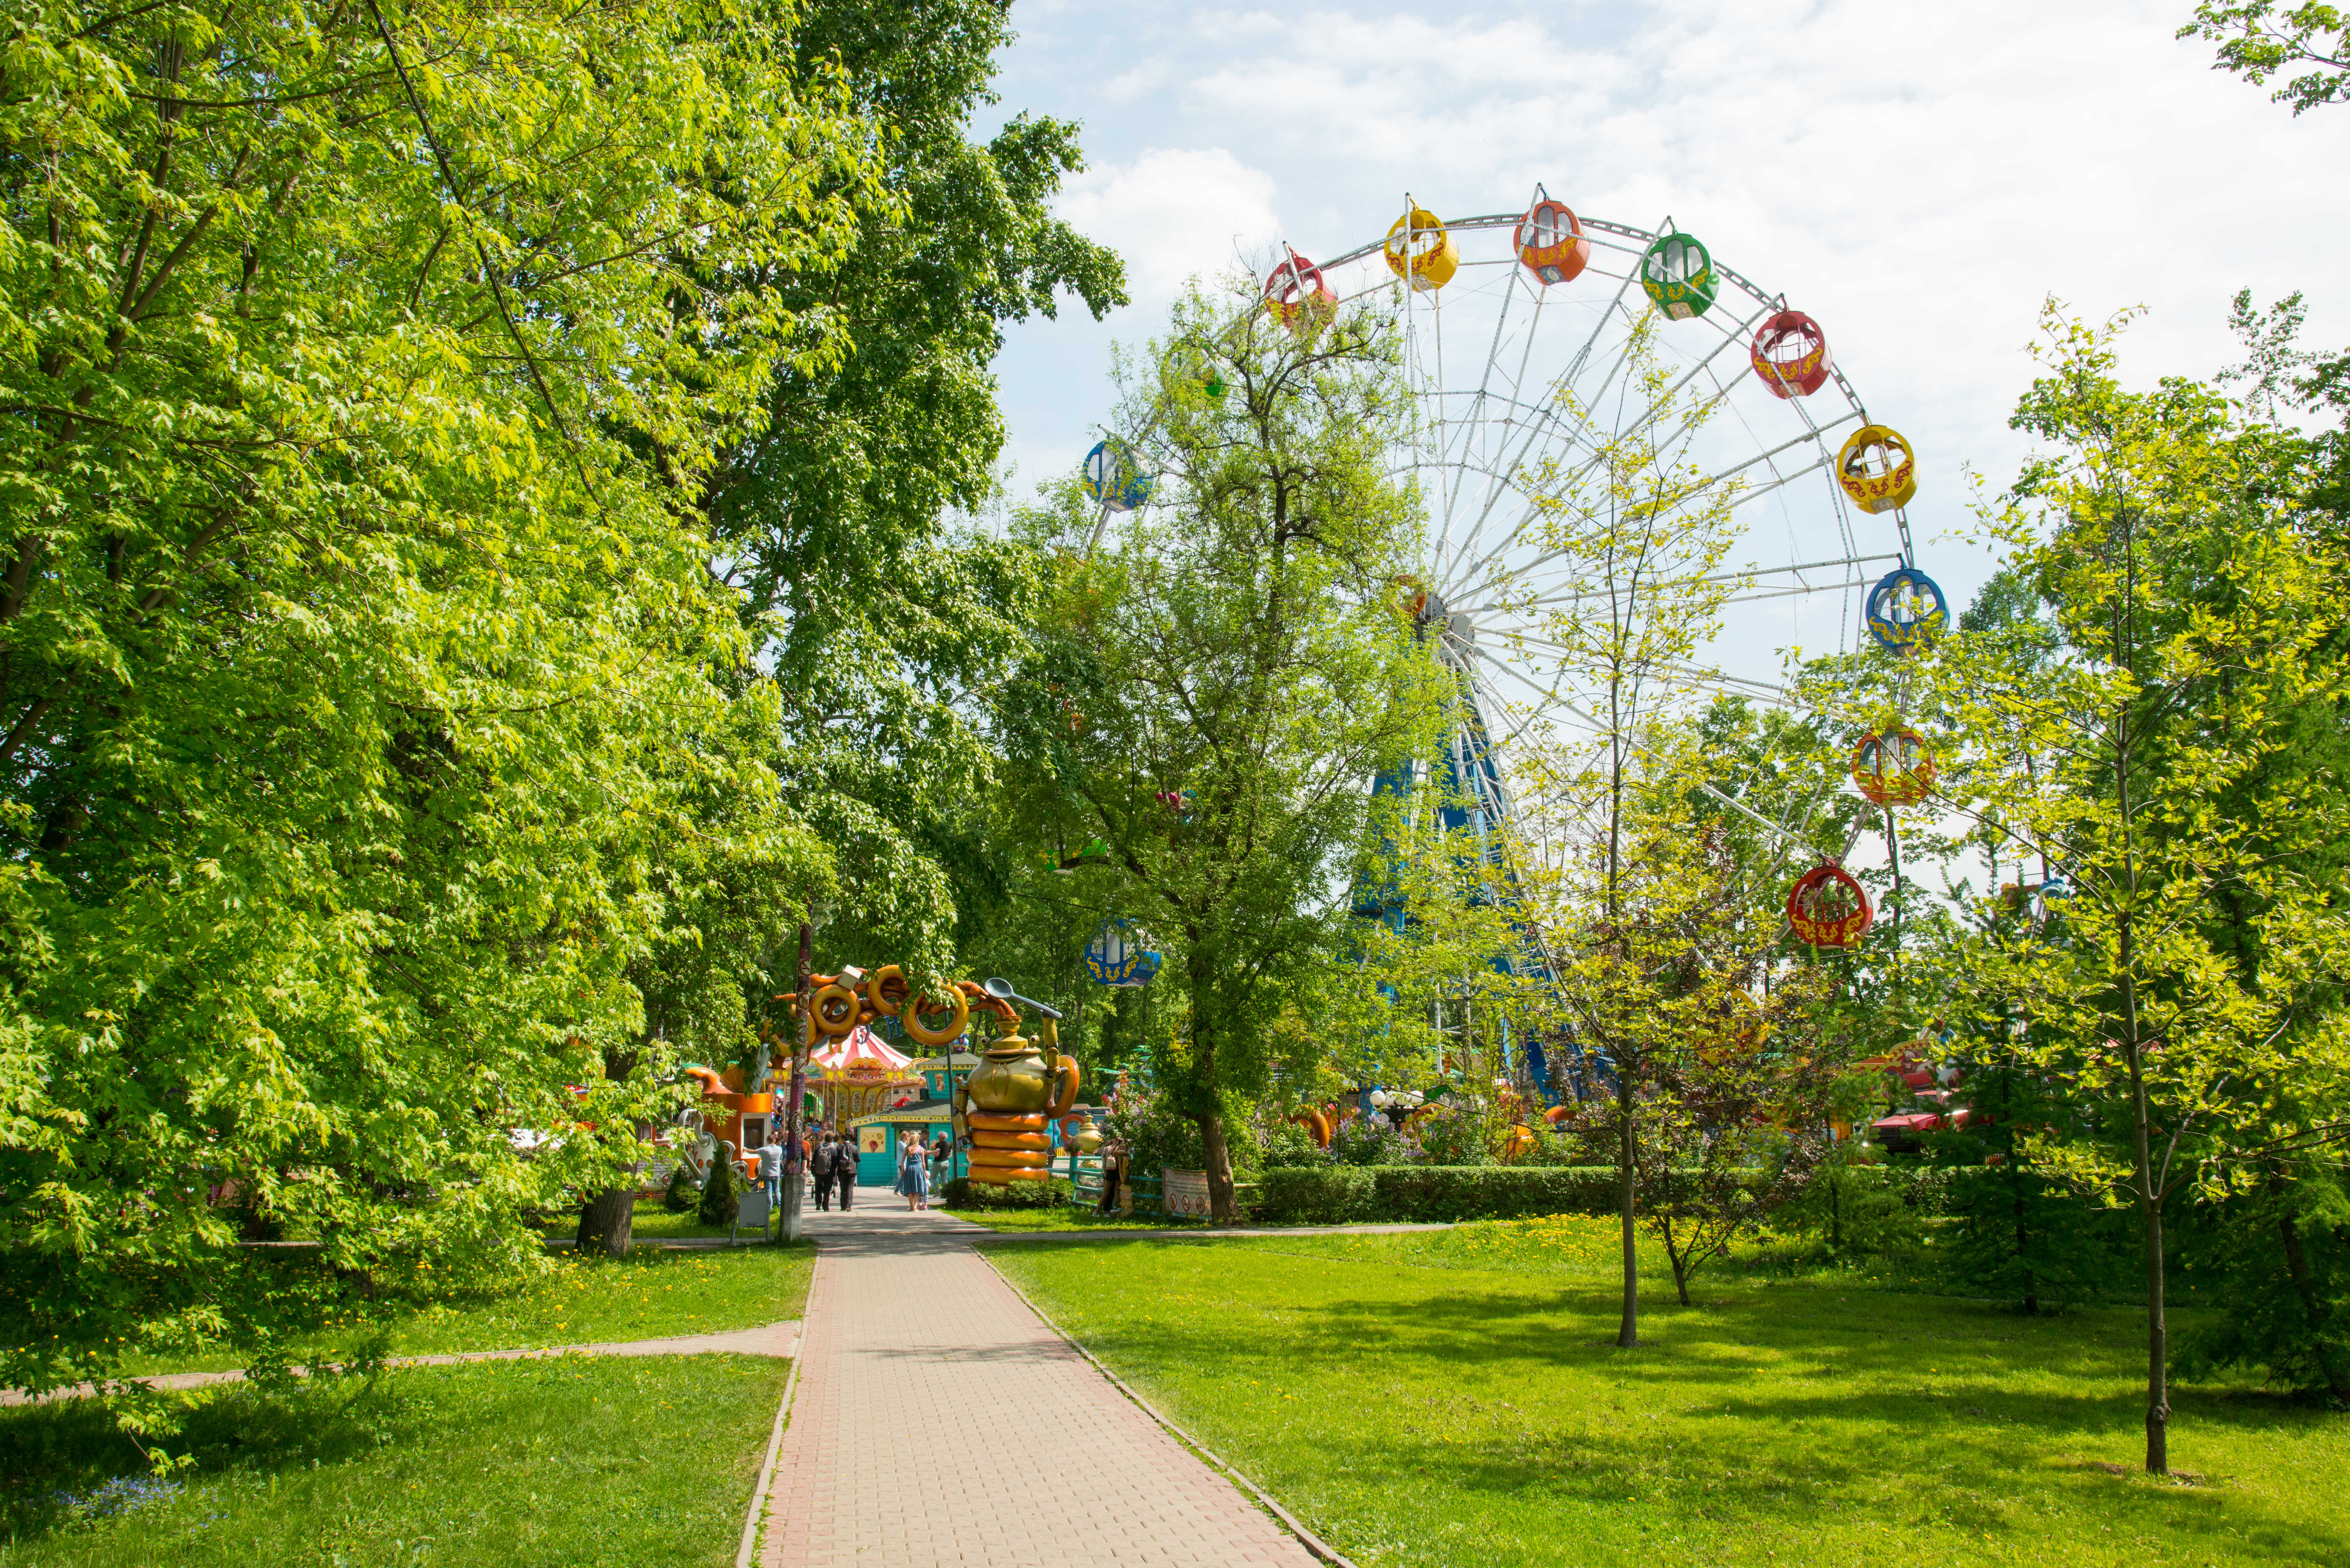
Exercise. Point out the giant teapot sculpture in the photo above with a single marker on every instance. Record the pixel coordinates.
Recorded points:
(1010, 1101)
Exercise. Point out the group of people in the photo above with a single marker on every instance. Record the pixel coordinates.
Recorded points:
(834, 1165)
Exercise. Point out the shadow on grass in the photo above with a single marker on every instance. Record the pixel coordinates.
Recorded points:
(68, 1464)
(1764, 1409)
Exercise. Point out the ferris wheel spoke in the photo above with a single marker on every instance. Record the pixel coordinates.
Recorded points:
(1472, 425)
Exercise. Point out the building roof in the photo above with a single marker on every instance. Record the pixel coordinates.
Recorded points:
(860, 1054)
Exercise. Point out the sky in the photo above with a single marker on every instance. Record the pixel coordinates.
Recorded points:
(1921, 176)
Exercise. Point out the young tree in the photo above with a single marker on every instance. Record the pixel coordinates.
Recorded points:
(2180, 990)
(1645, 537)
(1237, 638)
(1740, 1045)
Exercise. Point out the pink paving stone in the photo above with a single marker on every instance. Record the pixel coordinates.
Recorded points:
(938, 1421)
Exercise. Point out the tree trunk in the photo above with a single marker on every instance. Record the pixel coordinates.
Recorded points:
(1680, 1257)
(1222, 1206)
(790, 1227)
(2158, 1333)
(2023, 1240)
(1627, 1333)
(608, 1223)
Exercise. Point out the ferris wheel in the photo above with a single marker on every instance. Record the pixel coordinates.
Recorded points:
(1540, 346)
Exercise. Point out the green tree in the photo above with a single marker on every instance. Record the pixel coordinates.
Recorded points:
(2259, 39)
(363, 673)
(2183, 989)
(830, 515)
(1237, 638)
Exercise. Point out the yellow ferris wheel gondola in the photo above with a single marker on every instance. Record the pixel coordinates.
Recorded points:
(1422, 250)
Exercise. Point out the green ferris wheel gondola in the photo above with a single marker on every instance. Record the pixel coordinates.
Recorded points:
(1679, 277)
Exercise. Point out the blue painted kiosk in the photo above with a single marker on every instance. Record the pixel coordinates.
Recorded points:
(880, 1135)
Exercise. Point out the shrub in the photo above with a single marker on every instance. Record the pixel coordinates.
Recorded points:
(1344, 1195)
(1854, 1210)
(680, 1195)
(719, 1193)
(1368, 1140)
(963, 1192)
(1456, 1138)
(1287, 1146)
(1316, 1195)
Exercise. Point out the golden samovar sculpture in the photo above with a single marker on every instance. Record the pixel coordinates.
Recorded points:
(1006, 1107)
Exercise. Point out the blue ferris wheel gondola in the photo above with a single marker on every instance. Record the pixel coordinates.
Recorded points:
(1116, 956)
(1907, 609)
(1115, 479)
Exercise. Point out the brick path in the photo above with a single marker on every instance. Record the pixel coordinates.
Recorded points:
(938, 1421)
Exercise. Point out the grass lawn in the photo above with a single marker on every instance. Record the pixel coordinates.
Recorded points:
(653, 1222)
(651, 1294)
(1456, 1397)
(572, 1463)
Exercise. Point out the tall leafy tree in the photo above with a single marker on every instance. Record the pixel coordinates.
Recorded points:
(831, 519)
(1238, 639)
(2186, 989)
(360, 669)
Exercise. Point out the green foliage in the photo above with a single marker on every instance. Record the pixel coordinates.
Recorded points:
(367, 696)
(680, 1195)
(474, 573)
(1317, 1194)
(829, 515)
(1455, 1138)
(2257, 40)
(1235, 639)
(2283, 1248)
(1343, 1194)
(1368, 1140)
(1855, 1210)
(1286, 1146)
(963, 1192)
(2165, 738)
(720, 1192)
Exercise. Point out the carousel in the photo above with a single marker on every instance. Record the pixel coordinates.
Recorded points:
(858, 1075)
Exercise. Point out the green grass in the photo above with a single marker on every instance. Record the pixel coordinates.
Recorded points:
(652, 1294)
(576, 1462)
(1456, 1397)
(653, 1222)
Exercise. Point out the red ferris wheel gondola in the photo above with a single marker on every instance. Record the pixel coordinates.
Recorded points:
(1296, 293)
(1828, 908)
(1791, 354)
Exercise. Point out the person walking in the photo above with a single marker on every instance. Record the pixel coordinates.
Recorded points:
(913, 1174)
(941, 1149)
(771, 1171)
(1113, 1171)
(821, 1167)
(844, 1171)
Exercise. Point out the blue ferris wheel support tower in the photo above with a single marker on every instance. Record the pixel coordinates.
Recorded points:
(1463, 788)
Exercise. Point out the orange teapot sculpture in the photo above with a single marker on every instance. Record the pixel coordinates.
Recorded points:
(1010, 1101)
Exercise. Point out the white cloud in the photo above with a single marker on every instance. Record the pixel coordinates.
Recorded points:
(1918, 175)
(1172, 214)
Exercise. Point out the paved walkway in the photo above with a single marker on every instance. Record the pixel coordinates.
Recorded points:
(777, 1339)
(938, 1421)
